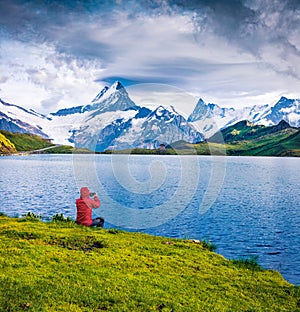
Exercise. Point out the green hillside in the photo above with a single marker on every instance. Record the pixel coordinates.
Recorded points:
(25, 142)
(60, 266)
(6, 146)
(282, 144)
(240, 131)
(245, 138)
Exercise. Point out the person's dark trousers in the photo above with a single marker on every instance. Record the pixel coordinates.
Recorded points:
(98, 222)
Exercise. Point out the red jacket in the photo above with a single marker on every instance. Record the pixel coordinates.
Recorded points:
(84, 207)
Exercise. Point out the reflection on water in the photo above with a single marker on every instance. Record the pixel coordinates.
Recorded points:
(253, 202)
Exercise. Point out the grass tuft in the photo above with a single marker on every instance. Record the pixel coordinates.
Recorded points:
(209, 245)
(61, 218)
(248, 263)
(30, 216)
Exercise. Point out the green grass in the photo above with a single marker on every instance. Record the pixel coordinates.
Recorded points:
(59, 266)
(25, 141)
(284, 143)
(6, 146)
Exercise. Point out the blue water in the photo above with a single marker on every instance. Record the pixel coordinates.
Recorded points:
(246, 206)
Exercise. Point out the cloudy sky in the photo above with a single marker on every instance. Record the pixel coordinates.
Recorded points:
(57, 54)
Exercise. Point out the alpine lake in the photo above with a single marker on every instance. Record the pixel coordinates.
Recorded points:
(246, 206)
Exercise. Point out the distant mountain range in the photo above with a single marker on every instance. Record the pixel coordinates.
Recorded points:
(209, 118)
(113, 121)
(241, 139)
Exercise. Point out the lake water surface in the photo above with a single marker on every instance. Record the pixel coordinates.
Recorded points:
(246, 206)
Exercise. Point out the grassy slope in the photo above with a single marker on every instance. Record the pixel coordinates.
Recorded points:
(282, 143)
(239, 132)
(292, 145)
(268, 145)
(64, 267)
(245, 138)
(6, 146)
(26, 142)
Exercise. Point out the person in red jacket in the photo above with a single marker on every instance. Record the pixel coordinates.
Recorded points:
(84, 206)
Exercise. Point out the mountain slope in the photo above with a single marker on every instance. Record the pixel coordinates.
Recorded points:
(285, 146)
(246, 130)
(25, 141)
(134, 129)
(284, 109)
(11, 143)
(6, 146)
(245, 138)
(17, 119)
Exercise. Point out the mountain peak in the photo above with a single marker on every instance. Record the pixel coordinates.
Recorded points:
(100, 94)
(201, 102)
(111, 98)
(283, 124)
(284, 102)
(283, 98)
(117, 85)
(107, 91)
(200, 110)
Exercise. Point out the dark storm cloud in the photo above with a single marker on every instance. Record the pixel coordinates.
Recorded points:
(248, 23)
(198, 45)
(52, 21)
(244, 23)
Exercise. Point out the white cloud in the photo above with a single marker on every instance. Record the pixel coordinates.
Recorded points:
(243, 54)
(37, 73)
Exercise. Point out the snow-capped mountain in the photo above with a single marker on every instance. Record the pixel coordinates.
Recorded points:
(285, 109)
(112, 99)
(173, 126)
(14, 118)
(113, 121)
(148, 129)
(210, 118)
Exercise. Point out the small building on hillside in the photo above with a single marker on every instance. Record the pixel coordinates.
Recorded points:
(162, 149)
